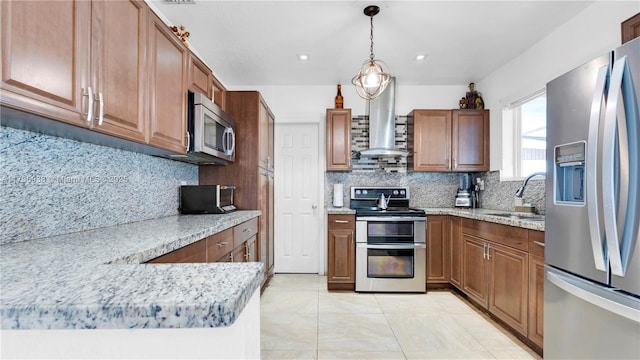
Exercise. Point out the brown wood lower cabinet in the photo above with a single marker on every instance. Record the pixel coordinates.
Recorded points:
(237, 244)
(536, 287)
(437, 250)
(456, 251)
(341, 257)
(496, 270)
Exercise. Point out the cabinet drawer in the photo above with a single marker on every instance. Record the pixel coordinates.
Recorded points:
(536, 243)
(503, 234)
(187, 254)
(244, 231)
(219, 244)
(342, 221)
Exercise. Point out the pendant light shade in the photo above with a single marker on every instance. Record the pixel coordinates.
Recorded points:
(372, 78)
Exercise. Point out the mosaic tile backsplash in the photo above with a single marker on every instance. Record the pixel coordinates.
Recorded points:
(52, 186)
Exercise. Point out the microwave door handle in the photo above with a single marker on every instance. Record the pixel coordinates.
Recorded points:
(225, 141)
(232, 141)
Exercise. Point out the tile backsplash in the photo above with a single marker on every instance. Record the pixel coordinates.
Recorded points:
(428, 189)
(53, 186)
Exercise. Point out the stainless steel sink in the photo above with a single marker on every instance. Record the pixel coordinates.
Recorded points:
(519, 217)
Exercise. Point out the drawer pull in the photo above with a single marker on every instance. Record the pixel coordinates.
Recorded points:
(539, 243)
(224, 243)
(341, 221)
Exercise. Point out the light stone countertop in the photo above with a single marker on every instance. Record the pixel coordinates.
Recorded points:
(97, 279)
(528, 221)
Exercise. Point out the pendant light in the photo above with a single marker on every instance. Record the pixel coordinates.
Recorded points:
(372, 79)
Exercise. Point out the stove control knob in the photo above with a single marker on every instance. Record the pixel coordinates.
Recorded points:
(402, 192)
(395, 192)
(357, 192)
(364, 192)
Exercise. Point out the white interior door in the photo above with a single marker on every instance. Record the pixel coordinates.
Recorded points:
(297, 212)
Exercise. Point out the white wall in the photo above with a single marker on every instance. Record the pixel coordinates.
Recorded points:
(589, 34)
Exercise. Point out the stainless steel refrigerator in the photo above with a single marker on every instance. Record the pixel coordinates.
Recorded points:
(592, 247)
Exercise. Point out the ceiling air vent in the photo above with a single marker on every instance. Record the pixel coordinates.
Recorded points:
(179, 2)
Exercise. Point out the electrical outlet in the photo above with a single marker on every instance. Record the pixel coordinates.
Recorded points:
(183, 183)
(480, 183)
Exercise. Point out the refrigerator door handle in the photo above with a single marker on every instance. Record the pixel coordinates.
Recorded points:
(593, 168)
(621, 158)
(578, 290)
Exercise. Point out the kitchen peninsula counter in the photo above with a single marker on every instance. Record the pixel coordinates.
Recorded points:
(97, 279)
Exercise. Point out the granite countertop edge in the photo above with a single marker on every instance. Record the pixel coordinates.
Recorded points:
(536, 222)
(97, 279)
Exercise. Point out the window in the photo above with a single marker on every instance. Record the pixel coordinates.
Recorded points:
(524, 136)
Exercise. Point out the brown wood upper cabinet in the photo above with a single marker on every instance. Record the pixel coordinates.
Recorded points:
(630, 28)
(200, 77)
(168, 93)
(118, 69)
(338, 139)
(448, 140)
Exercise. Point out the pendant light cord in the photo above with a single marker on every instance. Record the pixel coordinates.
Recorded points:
(371, 48)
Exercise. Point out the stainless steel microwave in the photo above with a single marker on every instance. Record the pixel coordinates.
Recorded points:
(206, 199)
(211, 131)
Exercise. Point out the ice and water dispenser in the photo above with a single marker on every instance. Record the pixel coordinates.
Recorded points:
(569, 174)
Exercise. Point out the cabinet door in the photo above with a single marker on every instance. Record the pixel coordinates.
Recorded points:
(509, 286)
(341, 249)
(536, 299)
(192, 253)
(457, 247)
(118, 65)
(431, 140)
(437, 249)
(270, 225)
(168, 96)
(45, 58)
(263, 219)
(251, 247)
(338, 139)
(200, 76)
(475, 279)
(470, 140)
(263, 140)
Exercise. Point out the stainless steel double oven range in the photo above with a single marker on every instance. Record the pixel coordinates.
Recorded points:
(390, 241)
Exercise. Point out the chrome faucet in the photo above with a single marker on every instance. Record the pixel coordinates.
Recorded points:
(382, 202)
(520, 190)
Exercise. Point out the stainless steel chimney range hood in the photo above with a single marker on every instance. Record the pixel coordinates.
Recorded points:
(382, 125)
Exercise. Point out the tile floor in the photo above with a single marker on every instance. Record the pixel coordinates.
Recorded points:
(300, 319)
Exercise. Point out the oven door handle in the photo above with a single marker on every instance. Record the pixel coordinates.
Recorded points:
(393, 246)
(391, 218)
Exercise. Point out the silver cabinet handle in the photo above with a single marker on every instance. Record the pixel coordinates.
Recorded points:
(231, 257)
(89, 95)
(484, 251)
(222, 244)
(341, 221)
(188, 141)
(489, 252)
(455, 163)
(595, 227)
(539, 243)
(100, 99)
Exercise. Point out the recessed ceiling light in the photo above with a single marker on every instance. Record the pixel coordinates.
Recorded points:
(303, 57)
(421, 57)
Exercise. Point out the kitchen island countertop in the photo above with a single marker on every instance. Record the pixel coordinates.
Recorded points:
(97, 279)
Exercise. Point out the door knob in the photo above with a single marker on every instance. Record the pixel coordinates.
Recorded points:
(314, 207)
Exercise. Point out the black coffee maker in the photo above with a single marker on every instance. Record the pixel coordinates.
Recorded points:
(464, 196)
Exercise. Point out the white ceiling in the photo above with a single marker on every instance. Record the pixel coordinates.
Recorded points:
(256, 42)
